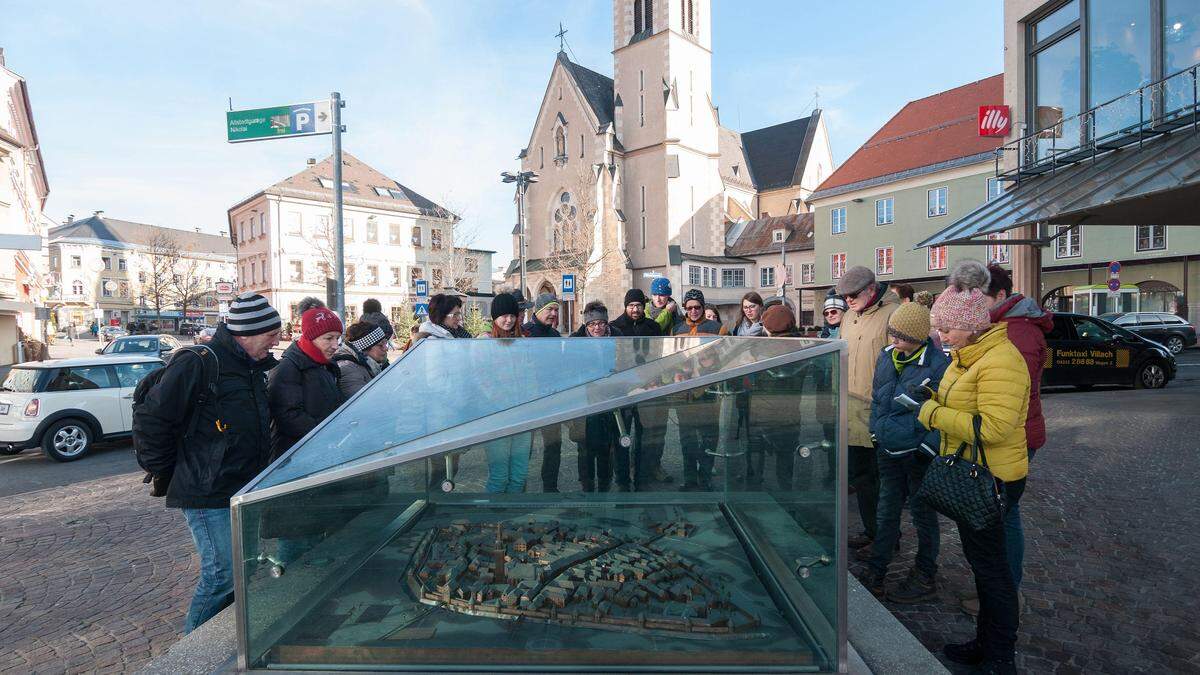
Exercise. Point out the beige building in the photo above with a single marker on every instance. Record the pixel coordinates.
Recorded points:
(104, 265)
(393, 236)
(23, 193)
(638, 179)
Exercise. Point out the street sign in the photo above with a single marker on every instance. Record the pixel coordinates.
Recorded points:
(651, 275)
(568, 287)
(1114, 268)
(422, 288)
(224, 288)
(422, 309)
(286, 121)
(1114, 285)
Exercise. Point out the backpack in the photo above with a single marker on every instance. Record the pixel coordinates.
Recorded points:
(207, 394)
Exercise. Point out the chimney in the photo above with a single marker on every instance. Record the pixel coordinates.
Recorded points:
(224, 233)
(311, 162)
(1, 56)
(197, 230)
(98, 214)
(70, 219)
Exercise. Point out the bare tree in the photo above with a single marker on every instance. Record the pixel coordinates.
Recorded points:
(323, 241)
(577, 243)
(159, 287)
(188, 287)
(452, 258)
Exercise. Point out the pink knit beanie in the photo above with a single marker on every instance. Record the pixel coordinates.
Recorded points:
(961, 309)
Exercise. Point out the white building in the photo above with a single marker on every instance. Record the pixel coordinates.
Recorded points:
(23, 192)
(393, 236)
(101, 263)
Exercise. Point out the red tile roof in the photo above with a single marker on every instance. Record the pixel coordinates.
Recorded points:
(927, 131)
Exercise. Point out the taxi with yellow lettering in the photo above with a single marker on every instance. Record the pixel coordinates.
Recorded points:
(1084, 351)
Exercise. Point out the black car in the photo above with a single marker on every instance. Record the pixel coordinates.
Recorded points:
(1168, 330)
(1086, 350)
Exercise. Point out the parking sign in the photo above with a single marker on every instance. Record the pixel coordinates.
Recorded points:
(568, 287)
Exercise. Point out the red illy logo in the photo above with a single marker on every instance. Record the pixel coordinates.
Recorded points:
(994, 120)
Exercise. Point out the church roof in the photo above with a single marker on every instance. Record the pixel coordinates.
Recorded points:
(923, 136)
(363, 187)
(777, 154)
(755, 237)
(99, 228)
(597, 89)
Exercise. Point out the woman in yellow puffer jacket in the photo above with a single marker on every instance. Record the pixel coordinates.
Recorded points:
(987, 378)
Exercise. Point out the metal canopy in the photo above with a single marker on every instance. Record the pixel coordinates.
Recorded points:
(1154, 183)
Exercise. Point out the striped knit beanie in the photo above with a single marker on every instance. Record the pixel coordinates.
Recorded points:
(251, 314)
(369, 340)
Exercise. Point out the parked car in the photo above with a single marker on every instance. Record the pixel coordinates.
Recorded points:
(66, 405)
(153, 345)
(1168, 330)
(189, 328)
(1085, 350)
(108, 333)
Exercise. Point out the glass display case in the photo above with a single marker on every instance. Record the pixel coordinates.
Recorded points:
(592, 504)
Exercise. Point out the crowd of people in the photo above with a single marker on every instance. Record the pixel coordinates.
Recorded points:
(925, 376)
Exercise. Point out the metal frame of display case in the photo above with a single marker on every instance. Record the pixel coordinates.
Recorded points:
(247, 495)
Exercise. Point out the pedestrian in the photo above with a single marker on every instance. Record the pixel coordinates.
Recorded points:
(542, 324)
(864, 328)
(308, 302)
(1028, 325)
(507, 457)
(749, 323)
(545, 318)
(205, 336)
(361, 357)
(601, 457)
(694, 322)
(445, 319)
(71, 333)
(373, 314)
(781, 434)
(206, 453)
(778, 321)
(904, 292)
(712, 313)
(505, 317)
(302, 391)
(987, 382)
(699, 417)
(925, 298)
(904, 451)
(833, 310)
(662, 308)
(634, 322)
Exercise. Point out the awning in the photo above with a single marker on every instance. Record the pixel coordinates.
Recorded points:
(1156, 183)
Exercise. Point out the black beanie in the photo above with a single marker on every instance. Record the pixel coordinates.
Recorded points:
(504, 303)
(635, 295)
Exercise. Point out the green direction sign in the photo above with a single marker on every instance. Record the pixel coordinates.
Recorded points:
(286, 121)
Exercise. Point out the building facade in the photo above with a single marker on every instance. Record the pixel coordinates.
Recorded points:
(392, 236)
(639, 179)
(104, 268)
(926, 167)
(23, 192)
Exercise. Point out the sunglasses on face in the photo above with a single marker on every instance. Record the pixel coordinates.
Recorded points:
(831, 312)
(694, 308)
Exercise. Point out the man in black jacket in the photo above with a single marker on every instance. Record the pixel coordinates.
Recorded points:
(230, 445)
(545, 318)
(634, 322)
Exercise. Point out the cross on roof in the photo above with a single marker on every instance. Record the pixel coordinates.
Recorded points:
(562, 37)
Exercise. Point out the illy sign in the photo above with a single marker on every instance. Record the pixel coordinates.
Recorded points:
(994, 120)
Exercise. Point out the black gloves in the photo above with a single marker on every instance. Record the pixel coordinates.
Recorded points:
(919, 393)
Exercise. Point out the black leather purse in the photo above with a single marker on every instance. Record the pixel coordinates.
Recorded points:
(962, 490)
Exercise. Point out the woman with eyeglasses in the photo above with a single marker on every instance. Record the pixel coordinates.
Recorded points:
(833, 311)
(445, 318)
(749, 324)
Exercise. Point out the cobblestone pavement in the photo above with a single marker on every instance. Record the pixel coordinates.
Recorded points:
(94, 577)
(1110, 516)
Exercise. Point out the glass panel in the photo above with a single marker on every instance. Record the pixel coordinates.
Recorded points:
(1181, 49)
(1056, 21)
(1119, 61)
(1057, 95)
(694, 530)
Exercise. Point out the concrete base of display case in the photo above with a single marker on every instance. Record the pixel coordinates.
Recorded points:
(878, 643)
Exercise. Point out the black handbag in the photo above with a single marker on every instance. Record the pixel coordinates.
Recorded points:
(962, 490)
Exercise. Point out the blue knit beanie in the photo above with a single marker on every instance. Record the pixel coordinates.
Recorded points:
(660, 286)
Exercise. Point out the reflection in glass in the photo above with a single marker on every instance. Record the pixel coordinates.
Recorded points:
(1181, 50)
(694, 523)
(1056, 21)
(1056, 70)
(1119, 61)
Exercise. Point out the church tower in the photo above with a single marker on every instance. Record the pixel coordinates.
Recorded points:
(667, 127)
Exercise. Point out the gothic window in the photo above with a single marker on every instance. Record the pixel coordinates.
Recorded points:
(565, 220)
(77, 288)
(637, 16)
(691, 18)
(650, 15)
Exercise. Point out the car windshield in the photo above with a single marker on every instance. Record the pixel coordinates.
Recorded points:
(22, 380)
(135, 346)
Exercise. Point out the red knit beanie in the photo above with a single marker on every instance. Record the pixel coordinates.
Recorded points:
(318, 321)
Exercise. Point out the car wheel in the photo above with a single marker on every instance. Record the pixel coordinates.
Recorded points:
(67, 440)
(1151, 376)
(1175, 344)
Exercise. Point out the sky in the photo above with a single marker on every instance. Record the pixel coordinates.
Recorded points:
(129, 98)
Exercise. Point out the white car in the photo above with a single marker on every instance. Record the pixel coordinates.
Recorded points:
(66, 405)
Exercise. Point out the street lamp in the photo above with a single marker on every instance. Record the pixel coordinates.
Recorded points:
(523, 179)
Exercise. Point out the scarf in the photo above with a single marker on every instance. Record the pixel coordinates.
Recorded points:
(435, 330)
(747, 329)
(900, 361)
(310, 350)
